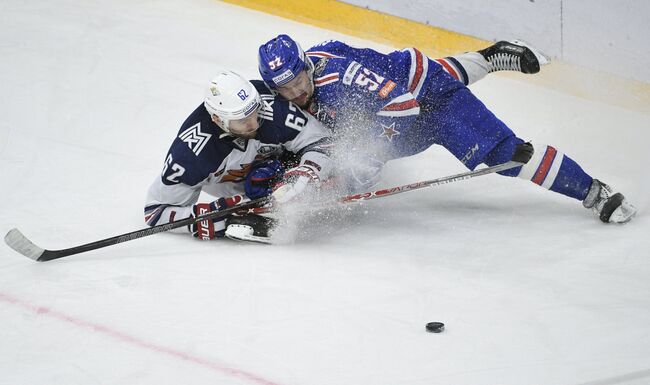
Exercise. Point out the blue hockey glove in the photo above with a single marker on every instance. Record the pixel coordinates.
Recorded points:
(262, 177)
(212, 228)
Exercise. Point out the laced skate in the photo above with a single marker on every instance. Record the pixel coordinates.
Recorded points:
(514, 55)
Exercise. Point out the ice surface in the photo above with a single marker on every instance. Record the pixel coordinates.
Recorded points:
(531, 287)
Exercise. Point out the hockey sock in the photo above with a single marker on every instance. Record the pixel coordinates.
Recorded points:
(548, 168)
(467, 68)
(557, 172)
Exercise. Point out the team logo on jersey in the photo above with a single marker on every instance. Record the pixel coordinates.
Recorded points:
(389, 132)
(268, 150)
(240, 143)
(320, 66)
(323, 114)
(195, 138)
(236, 175)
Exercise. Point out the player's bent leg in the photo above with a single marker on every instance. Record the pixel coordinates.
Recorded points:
(553, 170)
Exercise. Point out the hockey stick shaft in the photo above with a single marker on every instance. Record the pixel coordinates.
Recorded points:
(428, 183)
(17, 241)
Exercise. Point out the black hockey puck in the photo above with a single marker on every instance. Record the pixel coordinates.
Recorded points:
(435, 327)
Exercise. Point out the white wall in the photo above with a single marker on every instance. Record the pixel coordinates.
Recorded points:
(605, 35)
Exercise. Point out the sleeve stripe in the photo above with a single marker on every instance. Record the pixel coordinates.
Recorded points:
(400, 113)
(153, 217)
(151, 208)
(449, 68)
(418, 71)
(403, 105)
(327, 79)
(460, 69)
(323, 54)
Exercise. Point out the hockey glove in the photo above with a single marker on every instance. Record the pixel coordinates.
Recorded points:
(294, 182)
(212, 228)
(523, 152)
(262, 177)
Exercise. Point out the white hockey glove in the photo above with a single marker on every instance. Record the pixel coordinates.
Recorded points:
(294, 182)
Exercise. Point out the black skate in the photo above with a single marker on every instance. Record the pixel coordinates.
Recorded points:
(514, 55)
(609, 206)
(250, 228)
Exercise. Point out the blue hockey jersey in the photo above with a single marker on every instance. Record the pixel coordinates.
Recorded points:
(399, 103)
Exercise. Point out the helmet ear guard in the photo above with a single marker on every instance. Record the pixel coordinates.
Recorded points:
(231, 97)
(281, 59)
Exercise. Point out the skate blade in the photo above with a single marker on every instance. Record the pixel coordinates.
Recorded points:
(623, 213)
(243, 233)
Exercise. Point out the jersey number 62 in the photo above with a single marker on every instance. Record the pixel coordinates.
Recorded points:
(176, 171)
(295, 119)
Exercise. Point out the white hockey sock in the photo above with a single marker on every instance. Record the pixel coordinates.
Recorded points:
(468, 67)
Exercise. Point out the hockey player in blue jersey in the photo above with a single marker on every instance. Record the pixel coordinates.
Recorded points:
(230, 147)
(401, 103)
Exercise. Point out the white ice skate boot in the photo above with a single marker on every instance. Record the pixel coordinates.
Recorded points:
(514, 55)
(250, 228)
(609, 206)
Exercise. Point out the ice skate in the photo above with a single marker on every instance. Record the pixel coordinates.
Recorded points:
(609, 206)
(250, 228)
(514, 55)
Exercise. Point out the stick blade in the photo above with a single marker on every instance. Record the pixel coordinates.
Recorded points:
(17, 241)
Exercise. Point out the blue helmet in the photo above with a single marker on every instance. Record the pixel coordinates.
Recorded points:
(281, 59)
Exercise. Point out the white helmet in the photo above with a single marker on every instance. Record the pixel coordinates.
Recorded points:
(231, 97)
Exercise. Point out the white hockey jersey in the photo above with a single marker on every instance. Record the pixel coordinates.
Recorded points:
(205, 158)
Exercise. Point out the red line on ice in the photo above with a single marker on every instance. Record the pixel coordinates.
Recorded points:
(123, 337)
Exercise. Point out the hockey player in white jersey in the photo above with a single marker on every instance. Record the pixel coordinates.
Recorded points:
(229, 147)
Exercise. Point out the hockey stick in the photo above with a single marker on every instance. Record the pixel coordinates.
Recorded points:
(307, 206)
(17, 241)
(428, 183)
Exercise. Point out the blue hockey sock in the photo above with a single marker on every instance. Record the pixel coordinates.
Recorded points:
(548, 168)
(557, 172)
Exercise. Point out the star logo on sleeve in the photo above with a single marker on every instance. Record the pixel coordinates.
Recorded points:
(389, 132)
